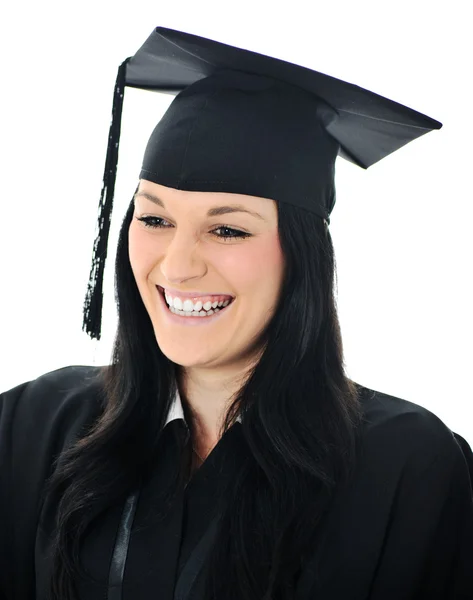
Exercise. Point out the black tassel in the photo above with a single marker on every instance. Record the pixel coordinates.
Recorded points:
(93, 301)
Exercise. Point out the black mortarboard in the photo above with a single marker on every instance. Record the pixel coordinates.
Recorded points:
(246, 123)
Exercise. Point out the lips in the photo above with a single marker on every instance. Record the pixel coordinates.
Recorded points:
(196, 320)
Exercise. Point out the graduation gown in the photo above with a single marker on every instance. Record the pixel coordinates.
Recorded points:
(403, 530)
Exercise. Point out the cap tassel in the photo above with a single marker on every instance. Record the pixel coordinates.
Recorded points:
(92, 322)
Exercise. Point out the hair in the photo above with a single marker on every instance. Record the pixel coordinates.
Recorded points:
(302, 416)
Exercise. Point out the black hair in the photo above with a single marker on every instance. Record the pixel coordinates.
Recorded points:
(301, 424)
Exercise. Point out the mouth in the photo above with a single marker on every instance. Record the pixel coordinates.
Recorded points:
(192, 316)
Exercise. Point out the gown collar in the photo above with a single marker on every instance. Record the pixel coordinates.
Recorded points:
(176, 411)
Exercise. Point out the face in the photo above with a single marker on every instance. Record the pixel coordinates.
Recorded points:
(177, 246)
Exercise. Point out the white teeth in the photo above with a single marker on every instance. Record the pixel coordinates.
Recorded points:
(193, 313)
(188, 308)
(187, 305)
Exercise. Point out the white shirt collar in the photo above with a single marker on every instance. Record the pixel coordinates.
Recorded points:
(176, 411)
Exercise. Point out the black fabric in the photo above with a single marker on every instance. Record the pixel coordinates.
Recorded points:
(246, 134)
(247, 123)
(404, 529)
(122, 542)
(368, 127)
(193, 566)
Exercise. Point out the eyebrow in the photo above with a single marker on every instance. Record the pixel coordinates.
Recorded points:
(212, 212)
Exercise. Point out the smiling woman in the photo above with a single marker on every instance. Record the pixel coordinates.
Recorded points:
(229, 456)
(190, 257)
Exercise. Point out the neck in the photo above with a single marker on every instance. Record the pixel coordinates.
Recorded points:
(207, 393)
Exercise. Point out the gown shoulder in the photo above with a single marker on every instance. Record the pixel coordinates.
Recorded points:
(404, 529)
(38, 420)
(402, 429)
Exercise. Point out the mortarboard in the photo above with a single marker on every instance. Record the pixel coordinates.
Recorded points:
(246, 123)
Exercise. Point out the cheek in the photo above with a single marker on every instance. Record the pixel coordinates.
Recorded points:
(258, 267)
(141, 250)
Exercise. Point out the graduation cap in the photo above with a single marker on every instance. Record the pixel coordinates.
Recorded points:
(245, 123)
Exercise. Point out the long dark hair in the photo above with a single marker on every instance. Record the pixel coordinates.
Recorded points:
(302, 418)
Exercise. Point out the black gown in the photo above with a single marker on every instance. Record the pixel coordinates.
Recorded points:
(403, 530)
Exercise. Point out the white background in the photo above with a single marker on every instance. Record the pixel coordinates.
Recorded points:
(402, 229)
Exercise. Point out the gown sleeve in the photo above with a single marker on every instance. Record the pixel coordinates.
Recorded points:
(8, 404)
(404, 529)
(430, 536)
(38, 419)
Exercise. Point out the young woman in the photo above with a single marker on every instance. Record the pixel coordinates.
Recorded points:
(224, 453)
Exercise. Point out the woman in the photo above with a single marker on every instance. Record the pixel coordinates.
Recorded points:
(228, 455)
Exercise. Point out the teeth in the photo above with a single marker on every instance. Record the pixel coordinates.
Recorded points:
(202, 313)
(187, 306)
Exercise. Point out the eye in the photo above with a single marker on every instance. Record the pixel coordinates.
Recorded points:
(236, 233)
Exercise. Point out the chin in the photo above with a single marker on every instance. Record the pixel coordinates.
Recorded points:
(183, 355)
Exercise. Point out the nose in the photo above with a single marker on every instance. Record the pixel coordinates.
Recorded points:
(181, 261)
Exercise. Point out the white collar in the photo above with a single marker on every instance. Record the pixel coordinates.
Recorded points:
(176, 411)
